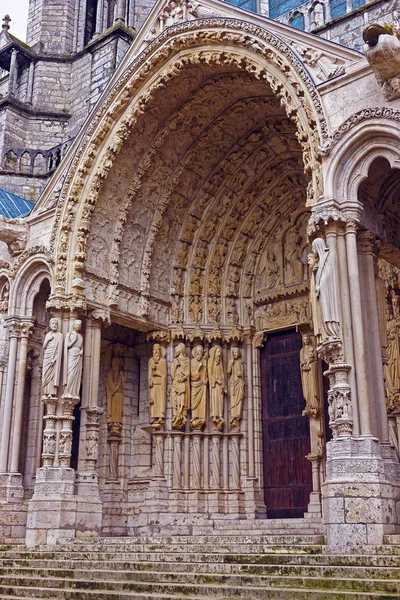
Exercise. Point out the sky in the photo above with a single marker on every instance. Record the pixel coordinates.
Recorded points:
(18, 11)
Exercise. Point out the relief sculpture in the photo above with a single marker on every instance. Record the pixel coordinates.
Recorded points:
(218, 389)
(236, 372)
(157, 379)
(180, 374)
(309, 377)
(115, 388)
(199, 381)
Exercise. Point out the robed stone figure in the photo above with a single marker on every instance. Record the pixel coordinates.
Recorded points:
(236, 372)
(198, 374)
(218, 389)
(180, 374)
(73, 361)
(115, 388)
(326, 289)
(309, 377)
(157, 380)
(52, 359)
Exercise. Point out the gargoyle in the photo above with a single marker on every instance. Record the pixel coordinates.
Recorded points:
(382, 49)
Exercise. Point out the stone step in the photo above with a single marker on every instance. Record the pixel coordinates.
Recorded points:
(392, 539)
(18, 593)
(202, 585)
(106, 569)
(327, 578)
(288, 556)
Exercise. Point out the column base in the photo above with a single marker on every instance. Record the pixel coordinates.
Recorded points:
(11, 488)
(314, 507)
(254, 504)
(358, 498)
(62, 507)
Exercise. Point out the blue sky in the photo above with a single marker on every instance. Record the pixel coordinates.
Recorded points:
(18, 11)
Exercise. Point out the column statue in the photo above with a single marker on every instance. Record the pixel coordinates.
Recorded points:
(392, 370)
(73, 361)
(198, 373)
(236, 372)
(115, 387)
(52, 359)
(180, 373)
(157, 378)
(326, 289)
(217, 382)
(309, 377)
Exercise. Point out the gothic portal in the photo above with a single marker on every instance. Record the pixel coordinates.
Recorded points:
(200, 318)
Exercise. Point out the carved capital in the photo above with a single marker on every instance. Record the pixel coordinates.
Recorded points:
(163, 337)
(101, 316)
(366, 242)
(26, 328)
(93, 414)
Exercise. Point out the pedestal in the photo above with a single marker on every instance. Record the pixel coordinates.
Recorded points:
(11, 488)
(358, 498)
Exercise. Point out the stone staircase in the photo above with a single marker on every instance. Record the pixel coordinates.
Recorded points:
(269, 559)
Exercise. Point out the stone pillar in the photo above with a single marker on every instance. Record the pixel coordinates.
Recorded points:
(235, 447)
(26, 328)
(120, 14)
(364, 400)
(13, 77)
(366, 243)
(31, 80)
(12, 326)
(196, 483)
(99, 17)
(177, 460)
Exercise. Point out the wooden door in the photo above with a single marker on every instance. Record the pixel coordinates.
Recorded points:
(286, 434)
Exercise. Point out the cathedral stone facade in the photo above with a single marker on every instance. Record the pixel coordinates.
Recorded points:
(200, 319)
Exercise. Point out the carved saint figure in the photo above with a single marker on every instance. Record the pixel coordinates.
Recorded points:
(115, 387)
(198, 375)
(180, 374)
(326, 289)
(272, 272)
(52, 357)
(392, 370)
(293, 258)
(157, 380)
(309, 377)
(236, 372)
(233, 281)
(217, 382)
(73, 360)
(5, 296)
(232, 315)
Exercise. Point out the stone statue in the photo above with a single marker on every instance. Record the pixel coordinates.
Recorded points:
(73, 360)
(232, 315)
(309, 377)
(217, 382)
(236, 372)
(326, 289)
(392, 370)
(52, 360)
(115, 387)
(157, 379)
(5, 296)
(198, 375)
(272, 272)
(316, 313)
(180, 374)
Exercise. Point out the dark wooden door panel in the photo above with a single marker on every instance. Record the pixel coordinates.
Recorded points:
(286, 438)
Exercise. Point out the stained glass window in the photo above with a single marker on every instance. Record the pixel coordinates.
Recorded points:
(298, 22)
(280, 7)
(246, 4)
(338, 8)
(357, 3)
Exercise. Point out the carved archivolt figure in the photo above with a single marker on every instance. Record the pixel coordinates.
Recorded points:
(73, 360)
(326, 289)
(198, 373)
(115, 387)
(272, 272)
(5, 296)
(52, 357)
(157, 380)
(236, 372)
(232, 315)
(309, 377)
(217, 382)
(293, 254)
(180, 374)
(195, 309)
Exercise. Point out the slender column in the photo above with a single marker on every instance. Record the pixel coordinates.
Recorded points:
(99, 17)
(158, 437)
(366, 244)
(196, 460)
(206, 459)
(186, 463)
(347, 329)
(235, 439)
(250, 411)
(13, 78)
(31, 79)
(26, 329)
(49, 433)
(121, 12)
(9, 394)
(177, 459)
(358, 328)
(216, 461)
(225, 440)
